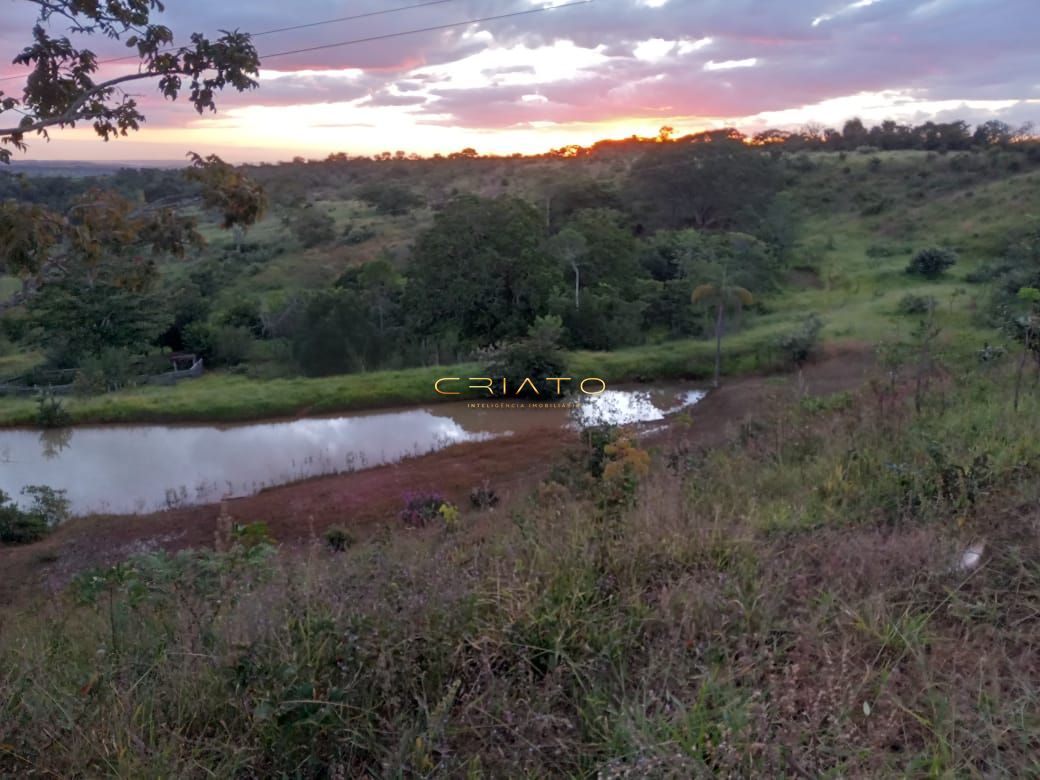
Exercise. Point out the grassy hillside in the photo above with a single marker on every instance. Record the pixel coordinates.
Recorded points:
(859, 218)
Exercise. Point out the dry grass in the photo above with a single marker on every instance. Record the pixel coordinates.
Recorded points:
(785, 605)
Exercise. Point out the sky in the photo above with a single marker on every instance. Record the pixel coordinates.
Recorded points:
(570, 75)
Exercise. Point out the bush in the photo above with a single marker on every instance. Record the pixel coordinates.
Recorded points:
(231, 344)
(422, 508)
(358, 235)
(483, 497)
(312, 227)
(390, 199)
(797, 346)
(50, 411)
(932, 262)
(113, 369)
(916, 304)
(984, 273)
(339, 539)
(536, 357)
(49, 508)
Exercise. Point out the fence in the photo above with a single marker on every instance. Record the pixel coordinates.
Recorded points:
(30, 385)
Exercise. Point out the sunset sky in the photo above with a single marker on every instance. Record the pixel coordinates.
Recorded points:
(609, 68)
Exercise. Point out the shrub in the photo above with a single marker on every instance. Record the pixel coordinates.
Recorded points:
(231, 344)
(312, 227)
(111, 370)
(50, 411)
(931, 262)
(422, 508)
(339, 539)
(390, 199)
(18, 527)
(797, 346)
(49, 508)
(483, 497)
(48, 503)
(990, 354)
(536, 357)
(916, 304)
(358, 235)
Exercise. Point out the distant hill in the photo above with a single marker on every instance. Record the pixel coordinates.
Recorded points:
(83, 168)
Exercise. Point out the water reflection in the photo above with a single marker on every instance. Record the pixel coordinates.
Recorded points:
(144, 468)
(54, 441)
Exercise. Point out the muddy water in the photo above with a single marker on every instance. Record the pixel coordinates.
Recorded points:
(134, 469)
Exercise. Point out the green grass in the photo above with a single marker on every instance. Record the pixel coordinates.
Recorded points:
(224, 397)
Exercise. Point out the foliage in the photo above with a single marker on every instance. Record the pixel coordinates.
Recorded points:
(240, 200)
(720, 295)
(537, 357)
(480, 270)
(336, 332)
(339, 539)
(312, 226)
(912, 304)
(48, 508)
(624, 465)
(714, 180)
(797, 346)
(422, 508)
(112, 369)
(50, 411)
(61, 88)
(483, 497)
(931, 262)
(390, 199)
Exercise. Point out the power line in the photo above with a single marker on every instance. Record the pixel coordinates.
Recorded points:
(306, 25)
(351, 18)
(434, 28)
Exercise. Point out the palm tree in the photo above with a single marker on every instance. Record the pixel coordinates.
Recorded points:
(721, 296)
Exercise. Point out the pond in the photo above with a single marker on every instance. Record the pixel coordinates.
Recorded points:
(137, 469)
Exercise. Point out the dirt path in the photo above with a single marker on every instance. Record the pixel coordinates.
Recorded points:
(367, 500)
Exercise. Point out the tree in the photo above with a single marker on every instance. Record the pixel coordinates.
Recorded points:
(96, 264)
(931, 262)
(610, 255)
(854, 134)
(240, 200)
(391, 199)
(481, 271)
(62, 87)
(334, 334)
(536, 357)
(578, 193)
(993, 133)
(570, 247)
(720, 296)
(712, 180)
(312, 226)
(41, 245)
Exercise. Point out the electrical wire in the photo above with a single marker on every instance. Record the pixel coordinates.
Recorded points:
(433, 28)
(354, 17)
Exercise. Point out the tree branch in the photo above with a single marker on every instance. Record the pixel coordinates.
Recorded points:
(72, 113)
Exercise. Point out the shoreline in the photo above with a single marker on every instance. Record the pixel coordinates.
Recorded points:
(216, 399)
